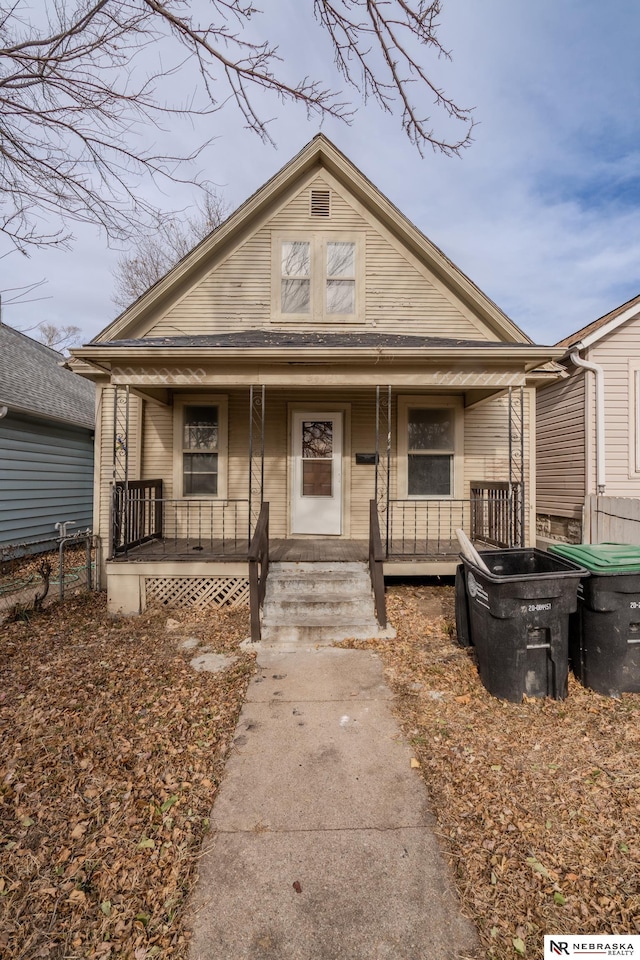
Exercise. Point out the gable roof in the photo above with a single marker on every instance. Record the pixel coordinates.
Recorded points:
(33, 381)
(320, 153)
(603, 326)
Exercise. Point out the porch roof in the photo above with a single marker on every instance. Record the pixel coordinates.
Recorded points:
(278, 346)
(295, 338)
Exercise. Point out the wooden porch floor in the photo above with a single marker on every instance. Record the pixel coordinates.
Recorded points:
(291, 550)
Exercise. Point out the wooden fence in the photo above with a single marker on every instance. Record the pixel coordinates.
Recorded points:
(612, 520)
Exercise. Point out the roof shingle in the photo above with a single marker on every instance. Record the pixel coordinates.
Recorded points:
(32, 380)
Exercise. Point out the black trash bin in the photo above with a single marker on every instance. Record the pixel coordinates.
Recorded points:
(519, 621)
(463, 631)
(604, 634)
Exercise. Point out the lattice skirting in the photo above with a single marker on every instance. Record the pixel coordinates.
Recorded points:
(198, 591)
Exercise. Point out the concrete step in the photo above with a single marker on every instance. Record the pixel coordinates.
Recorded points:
(326, 566)
(314, 634)
(303, 608)
(337, 585)
(318, 603)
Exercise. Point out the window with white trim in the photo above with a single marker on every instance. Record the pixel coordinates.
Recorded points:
(430, 438)
(200, 441)
(317, 277)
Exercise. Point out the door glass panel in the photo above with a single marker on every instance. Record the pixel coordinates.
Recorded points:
(316, 478)
(317, 439)
(317, 458)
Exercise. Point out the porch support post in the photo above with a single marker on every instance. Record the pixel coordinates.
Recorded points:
(256, 455)
(516, 468)
(383, 458)
(120, 487)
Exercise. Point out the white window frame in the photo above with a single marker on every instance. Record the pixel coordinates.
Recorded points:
(317, 240)
(405, 403)
(200, 400)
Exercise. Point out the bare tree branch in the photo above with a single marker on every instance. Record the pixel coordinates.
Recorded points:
(78, 103)
(171, 238)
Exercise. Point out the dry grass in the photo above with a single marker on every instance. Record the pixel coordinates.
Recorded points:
(538, 803)
(112, 748)
(111, 751)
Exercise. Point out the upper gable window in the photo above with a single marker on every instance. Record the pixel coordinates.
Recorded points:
(317, 277)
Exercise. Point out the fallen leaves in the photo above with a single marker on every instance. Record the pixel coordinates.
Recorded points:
(537, 802)
(111, 751)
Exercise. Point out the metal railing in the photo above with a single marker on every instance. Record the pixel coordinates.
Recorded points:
(136, 513)
(258, 569)
(184, 526)
(496, 513)
(376, 559)
(27, 580)
(428, 527)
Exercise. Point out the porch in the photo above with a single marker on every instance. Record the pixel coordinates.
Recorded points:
(148, 527)
(369, 475)
(193, 552)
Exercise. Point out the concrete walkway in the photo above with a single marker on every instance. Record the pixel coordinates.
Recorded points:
(323, 844)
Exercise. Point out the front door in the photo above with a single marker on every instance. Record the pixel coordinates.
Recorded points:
(316, 501)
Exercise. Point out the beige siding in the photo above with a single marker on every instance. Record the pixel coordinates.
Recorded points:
(486, 449)
(399, 295)
(560, 455)
(619, 355)
(487, 438)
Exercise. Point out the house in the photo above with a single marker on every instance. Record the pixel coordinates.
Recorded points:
(46, 444)
(588, 432)
(316, 361)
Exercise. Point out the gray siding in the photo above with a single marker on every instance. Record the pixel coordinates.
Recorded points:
(46, 475)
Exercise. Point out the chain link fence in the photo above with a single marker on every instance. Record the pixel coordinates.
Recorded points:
(28, 581)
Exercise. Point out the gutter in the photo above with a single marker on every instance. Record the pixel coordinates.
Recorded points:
(6, 405)
(598, 372)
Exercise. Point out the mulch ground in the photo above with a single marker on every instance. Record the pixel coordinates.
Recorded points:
(112, 748)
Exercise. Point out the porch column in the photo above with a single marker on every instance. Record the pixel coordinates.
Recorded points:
(118, 517)
(256, 455)
(383, 459)
(517, 499)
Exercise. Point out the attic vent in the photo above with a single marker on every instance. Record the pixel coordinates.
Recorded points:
(320, 203)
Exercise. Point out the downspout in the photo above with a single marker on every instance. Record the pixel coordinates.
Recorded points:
(598, 372)
(3, 412)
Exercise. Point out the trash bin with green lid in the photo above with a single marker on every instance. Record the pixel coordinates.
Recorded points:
(604, 634)
(519, 620)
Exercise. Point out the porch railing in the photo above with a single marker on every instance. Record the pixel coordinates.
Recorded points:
(376, 559)
(428, 527)
(496, 513)
(136, 514)
(258, 569)
(186, 526)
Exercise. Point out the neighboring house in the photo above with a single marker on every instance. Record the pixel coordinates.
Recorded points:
(588, 433)
(315, 353)
(46, 443)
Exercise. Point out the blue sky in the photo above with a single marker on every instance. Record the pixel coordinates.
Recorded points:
(542, 211)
